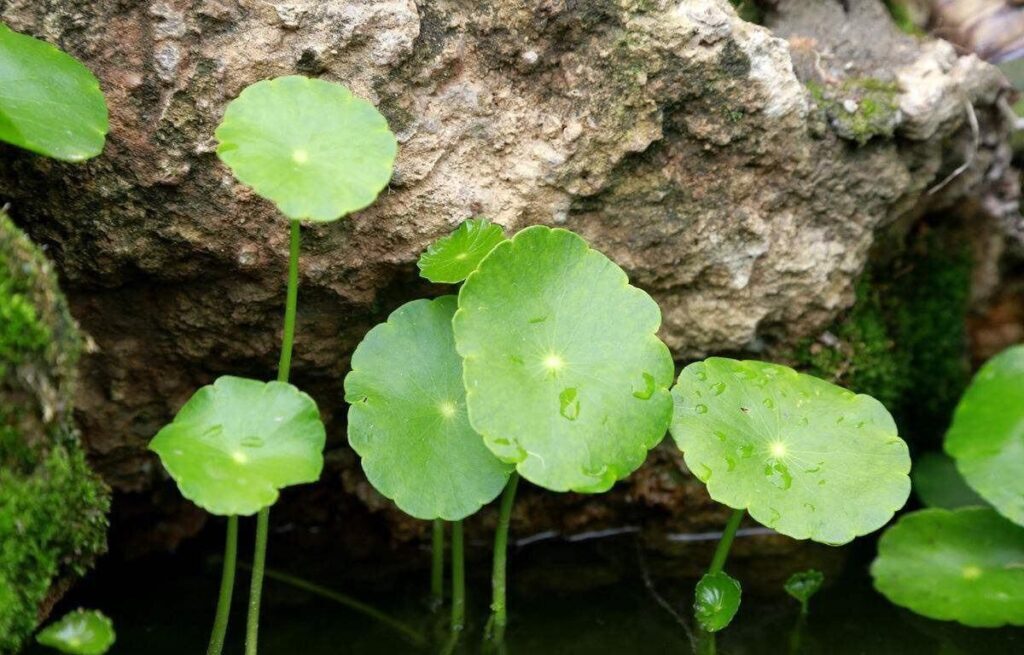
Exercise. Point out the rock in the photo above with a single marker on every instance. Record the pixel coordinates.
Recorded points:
(52, 507)
(683, 142)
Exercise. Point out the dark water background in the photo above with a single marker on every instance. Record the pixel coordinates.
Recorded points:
(589, 598)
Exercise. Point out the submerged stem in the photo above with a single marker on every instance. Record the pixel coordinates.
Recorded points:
(499, 614)
(227, 586)
(283, 369)
(437, 566)
(725, 543)
(458, 580)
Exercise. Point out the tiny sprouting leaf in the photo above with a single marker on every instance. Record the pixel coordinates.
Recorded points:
(987, 435)
(937, 483)
(716, 601)
(407, 419)
(50, 103)
(803, 585)
(82, 632)
(310, 146)
(452, 258)
(237, 442)
(565, 376)
(964, 565)
(804, 457)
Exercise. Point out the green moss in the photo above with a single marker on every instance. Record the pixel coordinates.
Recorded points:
(52, 507)
(749, 11)
(904, 340)
(901, 16)
(859, 108)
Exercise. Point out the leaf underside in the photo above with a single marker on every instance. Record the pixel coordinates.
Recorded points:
(237, 442)
(310, 146)
(79, 633)
(407, 419)
(804, 457)
(564, 374)
(50, 103)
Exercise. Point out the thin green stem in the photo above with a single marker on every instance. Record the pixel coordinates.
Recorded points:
(263, 519)
(259, 563)
(437, 566)
(725, 543)
(227, 586)
(359, 606)
(458, 579)
(499, 613)
(291, 304)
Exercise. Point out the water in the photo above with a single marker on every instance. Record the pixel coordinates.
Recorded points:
(591, 598)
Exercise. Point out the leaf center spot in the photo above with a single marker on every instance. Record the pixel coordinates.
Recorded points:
(300, 156)
(971, 572)
(240, 457)
(447, 409)
(777, 449)
(554, 362)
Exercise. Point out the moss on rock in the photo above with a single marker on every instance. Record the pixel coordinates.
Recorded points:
(52, 507)
(904, 340)
(859, 108)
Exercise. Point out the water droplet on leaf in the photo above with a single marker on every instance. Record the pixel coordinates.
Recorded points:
(569, 404)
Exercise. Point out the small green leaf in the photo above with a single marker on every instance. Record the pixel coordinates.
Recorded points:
(79, 633)
(453, 258)
(716, 601)
(310, 146)
(803, 585)
(564, 373)
(987, 435)
(236, 442)
(408, 418)
(937, 483)
(50, 103)
(964, 565)
(804, 457)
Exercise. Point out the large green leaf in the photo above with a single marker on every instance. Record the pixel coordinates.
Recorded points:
(964, 565)
(805, 457)
(564, 374)
(408, 416)
(79, 633)
(49, 102)
(937, 483)
(310, 146)
(236, 442)
(987, 435)
(716, 601)
(454, 257)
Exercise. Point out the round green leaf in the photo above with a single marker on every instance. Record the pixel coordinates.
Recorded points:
(236, 442)
(454, 257)
(987, 435)
(79, 633)
(716, 601)
(963, 565)
(310, 146)
(804, 457)
(50, 103)
(937, 483)
(804, 584)
(564, 374)
(408, 416)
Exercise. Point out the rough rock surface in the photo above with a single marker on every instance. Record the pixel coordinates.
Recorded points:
(734, 171)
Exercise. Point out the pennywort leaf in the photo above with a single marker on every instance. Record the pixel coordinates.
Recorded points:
(310, 146)
(237, 442)
(565, 376)
(79, 633)
(803, 585)
(804, 457)
(50, 103)
(987, 435)
(964, 565)
(407, 419)
(453, 258)
(937, 483)
(716, 601)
